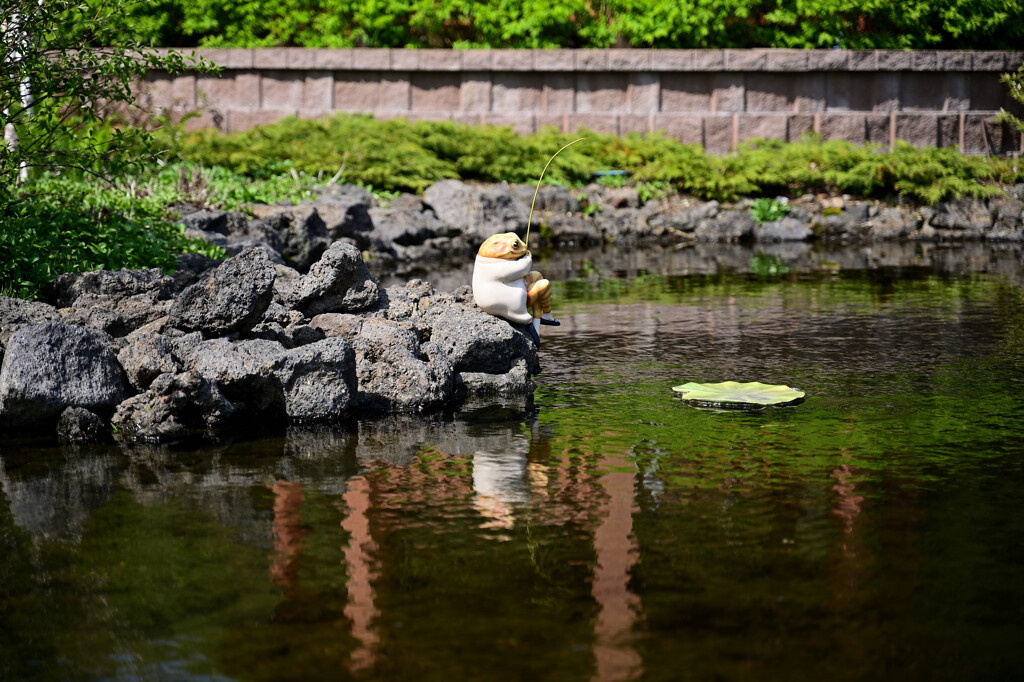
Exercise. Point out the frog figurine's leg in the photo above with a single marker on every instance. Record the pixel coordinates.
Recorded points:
(538, 298)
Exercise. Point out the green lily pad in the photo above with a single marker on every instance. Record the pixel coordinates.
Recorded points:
(735, 395)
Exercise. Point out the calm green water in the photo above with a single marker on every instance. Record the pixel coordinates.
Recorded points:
(602, 530)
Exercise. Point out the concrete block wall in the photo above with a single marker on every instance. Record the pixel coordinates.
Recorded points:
(717, 98)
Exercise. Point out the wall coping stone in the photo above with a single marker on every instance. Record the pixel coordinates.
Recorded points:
(610, 60)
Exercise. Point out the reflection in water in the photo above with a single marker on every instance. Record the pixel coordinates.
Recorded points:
(869, 533)
(360, 608)
(614, 545)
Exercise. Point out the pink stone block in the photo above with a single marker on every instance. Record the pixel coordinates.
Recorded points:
(602, 92)
(918, 129)
(559, 92)
(318, 91)
(476, 60)
(522, 124)
(469, 119)
(719, 133)
(207, 119)
(371, 59)
(439, 60)
(405, 59)
(554, 60)
(359, 91)
(895, 60)
(765, 126)
(219, 92)
(672, 60)
(396, 95)
(434, 92)
(512, 60)
(183, 90)
(788, 60)
(599, 123)
(686, 92)
(878, 128)
(798, 125)
(843, 126)
(727, 92)
(246, 90)
(281, 89)
(333, 59)
(687, 128)
(863, 60)
(708, 60)
(156, 92)
(475, 92)
(644, 93)
(953, 60)
(746, 60)
(810, 92)
(989, 61)
(517, 92)
(300, 58)
(270, 58)
(982, 135)
(926, 60)
(244, 120)
(629, 60)
(949, 130)
(987, 93)
(592, 60)
(635, 123)
(829, 60)
(559, 122)
(770, 92)
(849, 91)
(889, 90)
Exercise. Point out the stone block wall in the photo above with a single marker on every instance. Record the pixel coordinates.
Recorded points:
(713, 97)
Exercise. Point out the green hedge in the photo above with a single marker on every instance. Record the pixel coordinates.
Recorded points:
(851, 24)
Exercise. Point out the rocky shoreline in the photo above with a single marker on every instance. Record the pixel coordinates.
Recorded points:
(294, 328)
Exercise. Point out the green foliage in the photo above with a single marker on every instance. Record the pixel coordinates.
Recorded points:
(397, 155)
(852, 24)
(68, 226)
(1015, 83)
(766, 210)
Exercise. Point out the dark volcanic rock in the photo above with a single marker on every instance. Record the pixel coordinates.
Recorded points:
(785, 230)
(173, 405)
(338, 283)
(230, 298)
(145, 357)
(79, 425)
(477, 212)
(16, 313)
(118, 284)
(477, 342)
(317, 381)
(52, 366)
(396, 372)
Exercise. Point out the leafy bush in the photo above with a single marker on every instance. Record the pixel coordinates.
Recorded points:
(396, 155)
(852, 24)
(765, 210)
(69, 226)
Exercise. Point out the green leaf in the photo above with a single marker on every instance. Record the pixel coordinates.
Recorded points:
(736, 395)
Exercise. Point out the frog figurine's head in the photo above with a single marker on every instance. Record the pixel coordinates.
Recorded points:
(507, 246)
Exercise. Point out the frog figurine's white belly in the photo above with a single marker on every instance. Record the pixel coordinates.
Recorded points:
(499, 287)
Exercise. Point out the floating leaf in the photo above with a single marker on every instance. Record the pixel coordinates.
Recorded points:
(752, 395)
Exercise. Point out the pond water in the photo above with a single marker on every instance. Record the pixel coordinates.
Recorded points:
(600, 530)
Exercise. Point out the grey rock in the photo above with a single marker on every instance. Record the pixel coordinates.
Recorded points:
(230, 298)
(550, 198)
(572, 230)
(79, 425)
(317, 381)
(892, 223)
(475, 341)
(785, 230)
(477, 212)
(344, 325)
(515, 381)
(970, 215)
(173, 405)
(345, 210)
(241, 370)
(679, 214)
(118, 284)
(338, 282)
(190, 267)
(396, 372)
(408, 222)
(303, 232)
(52, 366)
(726, 226)
(16, 313)
(146, 357)
(116, 315)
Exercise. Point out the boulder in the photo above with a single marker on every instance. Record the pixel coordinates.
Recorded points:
(339, 282)
(120, 284)
(302, 231)
(16, 313)
(477, 212)
(240, 371)
(231, 298)
(785, 230)
(516, 381)
(145, 357)
(726, 226)
(396, 372)
(475, 341)
(317, 381)
(52, 366)
(173, 405)
(79, 425)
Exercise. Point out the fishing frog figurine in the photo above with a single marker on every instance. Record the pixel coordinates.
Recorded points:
(504, 284)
